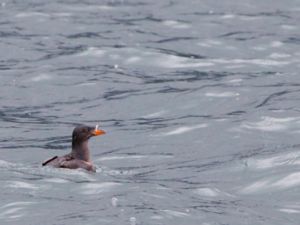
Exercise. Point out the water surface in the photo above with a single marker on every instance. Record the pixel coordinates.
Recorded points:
(200, 101)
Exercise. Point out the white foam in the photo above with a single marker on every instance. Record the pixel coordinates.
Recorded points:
(175, 24)
(175, 213)
(56, 180)
(87, 84)
(156, 114)
(289, 211)
(5, 164)
(255, 187)
(11, 213)
(173, 61)
(20, 184)
(32, 14)
(114, 201)
(92, 51)
(291, 208)
(235, 81)
(288, 27)
(222, 94)
(133, 59)
(91, 8)
(208, 192)
(108, 158)
(158, 59)
(41, 77)
(259, 48)
(157, 217)
(76, 175)
(275, 161)
(132, 220)
(228, 16)
(181, 130)
(12, 210)
(271, 124)
(17, 204)
(289, 181)
(263, 62)
(276, 44)
(279, 55)
(97, 188)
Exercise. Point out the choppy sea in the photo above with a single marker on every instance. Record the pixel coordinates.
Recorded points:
(199, 99)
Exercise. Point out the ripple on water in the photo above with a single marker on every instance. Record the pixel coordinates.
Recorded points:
(132, 157)
(23, 185)
(273, 183)
(222, 94)
(41, 77)
(173, 213)
(286, 159)
(208, 192)
(176, 24)
(97, 188)
(14, 210)
(290, 209)
(184, 129)
(273, 124)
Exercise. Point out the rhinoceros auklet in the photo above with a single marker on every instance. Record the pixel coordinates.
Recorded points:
(79, 157)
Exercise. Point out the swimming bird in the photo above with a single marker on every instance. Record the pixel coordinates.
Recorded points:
(79, 157)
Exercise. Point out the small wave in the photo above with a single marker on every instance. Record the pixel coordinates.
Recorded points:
(90, 8)
(276, 55)
(174, 213)
(5, 164)
(208, 192)
(211, 192)
(97, 188)
(108, 158)
(22, 185)
(60, 175)
(276, 161)
(222, 94)
(273, 184)
(228, 16)
(290, 209)
(32, 14)
(261, 62)
(185, 129)
(156, 114)
(271, 124)
(92, 51)
(13, 213)
(288, 27)
(276, 44)
(176, 24)
(41, 77)
(132, 157)
(55, 175)
(209, 43)
(56, 180)
(14, 210)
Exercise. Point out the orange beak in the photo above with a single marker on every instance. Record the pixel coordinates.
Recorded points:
(98, 132)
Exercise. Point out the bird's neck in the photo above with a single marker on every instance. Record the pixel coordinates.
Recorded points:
(81, 151)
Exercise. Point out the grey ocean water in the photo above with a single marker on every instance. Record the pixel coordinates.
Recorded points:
(199, 98)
